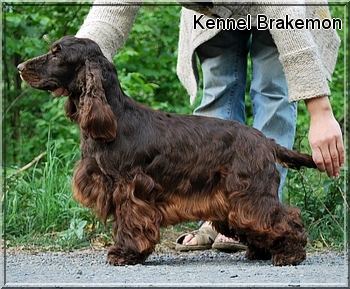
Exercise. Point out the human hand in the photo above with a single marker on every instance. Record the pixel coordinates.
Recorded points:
(325, 138)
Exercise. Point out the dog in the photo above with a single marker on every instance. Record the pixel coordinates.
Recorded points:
(143, 169)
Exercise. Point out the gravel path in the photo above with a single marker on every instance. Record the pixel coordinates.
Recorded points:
(172, 269)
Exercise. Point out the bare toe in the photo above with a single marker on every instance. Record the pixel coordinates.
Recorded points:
(190, 240)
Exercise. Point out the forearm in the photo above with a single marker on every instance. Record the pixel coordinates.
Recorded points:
(319, 107)
(325, 137)
(109, 24)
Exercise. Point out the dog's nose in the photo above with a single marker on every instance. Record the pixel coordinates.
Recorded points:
(20, 67)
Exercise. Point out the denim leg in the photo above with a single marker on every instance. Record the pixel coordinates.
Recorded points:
(224, 64)
(273, 114)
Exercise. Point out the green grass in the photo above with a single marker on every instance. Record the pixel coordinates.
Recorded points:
(39, 200)
(324, 207)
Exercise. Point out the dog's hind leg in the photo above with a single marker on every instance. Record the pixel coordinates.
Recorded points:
(136, 223)
(266, 226)
(255, 253)
(271, 231)
(289, 236)
(249, 229)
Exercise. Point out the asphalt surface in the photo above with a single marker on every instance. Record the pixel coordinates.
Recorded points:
(172, 269)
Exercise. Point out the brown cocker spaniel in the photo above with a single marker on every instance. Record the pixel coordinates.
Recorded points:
(143, 169)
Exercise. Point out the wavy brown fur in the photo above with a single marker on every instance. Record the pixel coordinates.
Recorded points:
(144, 169)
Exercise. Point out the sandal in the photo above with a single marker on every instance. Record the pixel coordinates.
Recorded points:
(205, 237)
(228, 246)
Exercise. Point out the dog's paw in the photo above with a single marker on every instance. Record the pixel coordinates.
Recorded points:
(258, 254)
(120, 260)
(115, 260)
(289, 259)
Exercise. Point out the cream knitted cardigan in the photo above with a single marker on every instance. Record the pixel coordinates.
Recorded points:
(308, 57)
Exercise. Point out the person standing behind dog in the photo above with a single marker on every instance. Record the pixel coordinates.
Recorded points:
(287, 65)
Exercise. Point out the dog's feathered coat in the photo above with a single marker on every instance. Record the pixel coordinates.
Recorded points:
(144, 168)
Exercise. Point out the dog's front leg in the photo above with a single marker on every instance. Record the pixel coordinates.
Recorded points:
(129, 250)
(136, 228)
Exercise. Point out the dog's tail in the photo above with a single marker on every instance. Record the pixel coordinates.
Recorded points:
(292, 159)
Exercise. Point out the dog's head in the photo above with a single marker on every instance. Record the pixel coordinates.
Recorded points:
(76, 67)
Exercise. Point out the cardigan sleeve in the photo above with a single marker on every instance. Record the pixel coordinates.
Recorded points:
(109, 23)
(302, 53)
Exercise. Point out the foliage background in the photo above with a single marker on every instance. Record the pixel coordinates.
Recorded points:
(36, 200)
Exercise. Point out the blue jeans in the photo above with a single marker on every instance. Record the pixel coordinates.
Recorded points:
(224, 65)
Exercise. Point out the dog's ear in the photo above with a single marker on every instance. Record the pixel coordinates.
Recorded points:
(96, 119)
